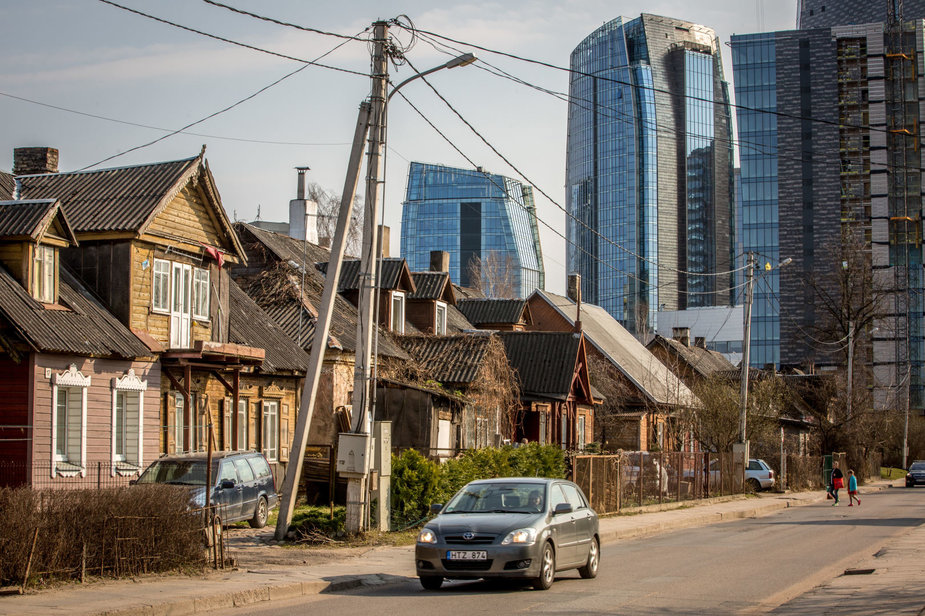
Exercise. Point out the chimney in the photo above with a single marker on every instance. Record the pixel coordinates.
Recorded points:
(574, 294)
(303, 213)
(29, 161)
(439, 261)
(384, 241)
(682, 335)
(700, 342)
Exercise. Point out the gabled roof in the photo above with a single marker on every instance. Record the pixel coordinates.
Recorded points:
(31, 220)
(393, 274)
(456, 322)
(544, 361)
(433, 286)
(85, 329)
(251, 326)
(495, 311)
(623, 350)
(7, 185)
(123, 199)
(286, 248)
(449, 359)
(704, 361)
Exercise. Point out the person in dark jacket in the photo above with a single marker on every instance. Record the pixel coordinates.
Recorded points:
(838, 482)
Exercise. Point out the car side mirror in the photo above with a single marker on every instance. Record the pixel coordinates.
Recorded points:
(132, 482)
(226, 484)
(562, 508)
(436, 508)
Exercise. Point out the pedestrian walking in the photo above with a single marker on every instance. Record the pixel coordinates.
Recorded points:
(838, 482)
(853, 489)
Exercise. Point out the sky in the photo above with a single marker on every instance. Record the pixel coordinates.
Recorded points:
(89, 57)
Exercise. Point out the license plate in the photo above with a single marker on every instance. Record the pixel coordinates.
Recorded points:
(467, 555)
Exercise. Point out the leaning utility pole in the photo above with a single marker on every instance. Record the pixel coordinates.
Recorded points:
(746, 348)
(366, 323)
(322, 328)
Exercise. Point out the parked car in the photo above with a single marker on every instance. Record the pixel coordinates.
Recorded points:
(916, 474)
(522, 527)
(758, 475)
(242, 483)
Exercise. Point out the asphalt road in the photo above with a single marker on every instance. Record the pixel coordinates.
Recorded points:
(747, 566)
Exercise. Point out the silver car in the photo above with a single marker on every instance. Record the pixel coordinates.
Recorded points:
(518, 527)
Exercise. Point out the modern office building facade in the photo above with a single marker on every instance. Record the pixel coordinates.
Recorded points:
(649, 170)
(827, 13)
(828, 132)
(475, 216)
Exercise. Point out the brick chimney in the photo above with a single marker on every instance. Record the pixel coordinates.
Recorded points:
(439, 261)
(574, 294)
(682, 335)
(29, 161)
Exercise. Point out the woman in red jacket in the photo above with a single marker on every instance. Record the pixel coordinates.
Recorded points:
(838, 482)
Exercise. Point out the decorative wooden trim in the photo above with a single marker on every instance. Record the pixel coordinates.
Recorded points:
(71, 378)
(129, 382)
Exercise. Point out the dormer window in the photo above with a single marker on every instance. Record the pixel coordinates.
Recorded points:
(398, 312)
(440, 322)
(44, 274)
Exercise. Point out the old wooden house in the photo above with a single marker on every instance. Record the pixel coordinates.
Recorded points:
(80, 390)
(692, 363)
(506, 315)
(156, 246)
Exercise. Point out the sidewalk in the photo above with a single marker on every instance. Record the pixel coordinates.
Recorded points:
(163, 595)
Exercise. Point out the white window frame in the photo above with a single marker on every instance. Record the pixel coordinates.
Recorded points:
(128, 385)
(178, 411)
(581, 432)
(243, 424)
(398, 325)
(160, 286)
(440, 319)
(200, 299)
(43, 274)
(270, 430)
(72, 382)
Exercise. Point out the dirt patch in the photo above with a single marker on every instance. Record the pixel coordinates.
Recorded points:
(257, 548)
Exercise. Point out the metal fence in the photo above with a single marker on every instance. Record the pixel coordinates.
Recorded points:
(41, 475)
(628, 479)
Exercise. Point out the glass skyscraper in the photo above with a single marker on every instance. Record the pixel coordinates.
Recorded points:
(649, 170)
(471, 214)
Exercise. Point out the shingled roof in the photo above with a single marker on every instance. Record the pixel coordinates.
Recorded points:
(704, 361)
(251, 326)
(544, 361)
(29, 220)
(449, 359)
(7, 185)
(432, 286)
(85, 328)
(392, 273)
(482, 312)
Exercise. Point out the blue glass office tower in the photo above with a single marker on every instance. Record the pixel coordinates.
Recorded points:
(649, 170)
(472, 213)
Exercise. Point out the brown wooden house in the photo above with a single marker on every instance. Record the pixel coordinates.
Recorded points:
(80, 391)
(395, 286)
(505, 315)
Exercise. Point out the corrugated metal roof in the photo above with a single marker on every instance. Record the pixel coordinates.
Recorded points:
(704, 361)
(544, 361)
(286, 248)
(624, 351)
(430, 285)
(494, 311)
(392, 272)
(86, 329)
(251, 326)
(449, 359)
(108, 200)
(7, 185)
(456, 322)
(23, 219)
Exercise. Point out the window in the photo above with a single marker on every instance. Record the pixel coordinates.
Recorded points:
(581, 432)
(574, 496)
(440, 324)
(160, 286)
(201, 293)
(398, 312)
(43, 274)
(127, 413)
(271, 429)
(563, 431)
(245, 472)
(69, 409)
(243, 426)
(178, 422)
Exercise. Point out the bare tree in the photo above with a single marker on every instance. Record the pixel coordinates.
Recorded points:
(328, 209)
(716, 423)
(495, 276)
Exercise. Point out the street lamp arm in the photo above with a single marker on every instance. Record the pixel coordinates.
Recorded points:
(463, 60)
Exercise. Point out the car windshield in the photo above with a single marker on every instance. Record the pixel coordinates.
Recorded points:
(506, 497)
(918, 466)
(180, 472)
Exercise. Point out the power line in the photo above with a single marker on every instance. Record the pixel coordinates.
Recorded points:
(220, 111)
(282, 23)
(166, 130)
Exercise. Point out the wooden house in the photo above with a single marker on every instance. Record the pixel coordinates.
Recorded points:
(395, 286)
(156, 246)
(692, 363)
(80, 390)
(506, 315)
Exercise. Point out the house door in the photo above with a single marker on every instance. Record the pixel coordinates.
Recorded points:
(180, 306)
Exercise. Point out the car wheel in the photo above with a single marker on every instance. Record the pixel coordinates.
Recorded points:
(589, 570)
(261, 513)
(547, 568)
(431, 582)
(753, 485)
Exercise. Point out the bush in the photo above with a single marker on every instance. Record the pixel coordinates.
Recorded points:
(312, 523)
(417, 482)
(118, 532)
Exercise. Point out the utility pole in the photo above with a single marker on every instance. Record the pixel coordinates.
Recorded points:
(366, 323)
(850, 365)
(746, 349)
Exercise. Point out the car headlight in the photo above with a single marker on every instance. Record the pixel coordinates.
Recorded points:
(521, 535)
(427, 536)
